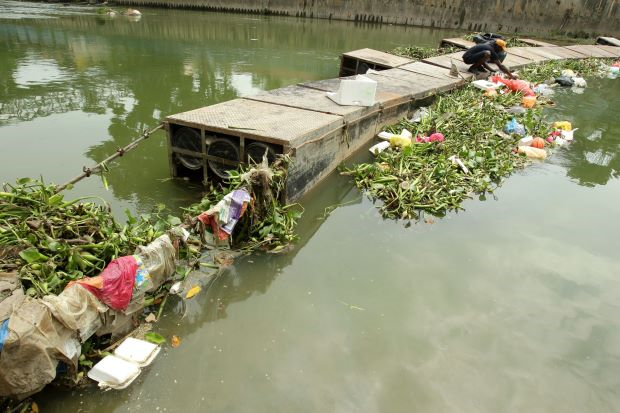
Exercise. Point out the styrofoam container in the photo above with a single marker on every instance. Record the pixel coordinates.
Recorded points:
(114, 372)
(386, 136)
(485, 84)
(380, 147)
(137, 351)
(358, 92)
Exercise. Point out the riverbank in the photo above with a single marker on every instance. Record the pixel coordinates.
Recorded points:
(508, 16)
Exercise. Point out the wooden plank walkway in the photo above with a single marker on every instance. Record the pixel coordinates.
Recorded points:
(358, 61)
(457, 42)
(535, 43)
(527, 53)
(303, 121)
(446, 61)
(434, 71)
(466, 44)
(270, 123)
(591, 51)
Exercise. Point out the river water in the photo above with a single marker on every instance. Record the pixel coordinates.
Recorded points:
(509, 306)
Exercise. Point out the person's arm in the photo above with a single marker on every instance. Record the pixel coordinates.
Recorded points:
(504, 69)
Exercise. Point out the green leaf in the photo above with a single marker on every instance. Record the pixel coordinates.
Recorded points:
(105, 181)
(32, 255)
(174, 220)
(55, 199)
(130, 218)
(154, 338)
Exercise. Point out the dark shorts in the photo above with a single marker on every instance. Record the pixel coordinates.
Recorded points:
(474, 58)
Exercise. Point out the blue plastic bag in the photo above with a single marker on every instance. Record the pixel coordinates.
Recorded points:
(4, 332)
(514, 127)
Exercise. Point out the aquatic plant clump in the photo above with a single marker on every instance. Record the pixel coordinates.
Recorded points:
(510, 41)
(270, 224)
(548, 71)
(420, 53)
(472, 156)
(50, 241)
(426, 176)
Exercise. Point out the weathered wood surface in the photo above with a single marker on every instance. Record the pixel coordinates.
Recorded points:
(423, 85)
(535, 43)
(434, 71)
(590, 50)
(310, 99)
(457, 42)
(526, 52)
(614, 50)
(263, 121)
(377, 57)
(447, 60)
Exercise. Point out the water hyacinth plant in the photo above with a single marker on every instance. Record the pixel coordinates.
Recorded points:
(472, 156)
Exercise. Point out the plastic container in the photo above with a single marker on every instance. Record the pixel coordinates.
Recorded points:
(386, 136)
(533, 153)
(357, 92)
(114, 372)
(137, 351)
(485, 84)
(380, 147)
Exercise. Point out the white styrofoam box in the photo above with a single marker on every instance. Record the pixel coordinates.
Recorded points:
(360, 91)
(138, 351)
(485, 84)
(386, 136)
(114, 372)
(380, 147)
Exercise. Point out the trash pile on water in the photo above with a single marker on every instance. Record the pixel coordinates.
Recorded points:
(468, 141)
(614, 70)
(73, 280)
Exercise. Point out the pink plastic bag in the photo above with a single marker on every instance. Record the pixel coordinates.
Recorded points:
(516, 85)
(118, 280)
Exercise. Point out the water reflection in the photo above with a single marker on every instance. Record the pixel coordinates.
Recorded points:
(136, 72)
(236, 284)
(593, 158)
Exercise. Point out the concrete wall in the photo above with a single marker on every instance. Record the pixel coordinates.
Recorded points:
(507, 16)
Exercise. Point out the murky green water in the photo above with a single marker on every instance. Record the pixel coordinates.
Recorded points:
(510, 306)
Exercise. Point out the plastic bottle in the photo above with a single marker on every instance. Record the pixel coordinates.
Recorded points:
(532, 152)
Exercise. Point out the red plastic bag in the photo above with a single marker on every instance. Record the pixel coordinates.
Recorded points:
(516, 85)
(118, 280)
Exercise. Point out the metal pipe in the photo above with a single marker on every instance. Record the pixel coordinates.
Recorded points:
(119, 152)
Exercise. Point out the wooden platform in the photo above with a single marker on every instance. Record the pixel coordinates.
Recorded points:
(302, 121)
(358, 61)
(466, 44)
(536, 43)
(592, 51)
(457, 42)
